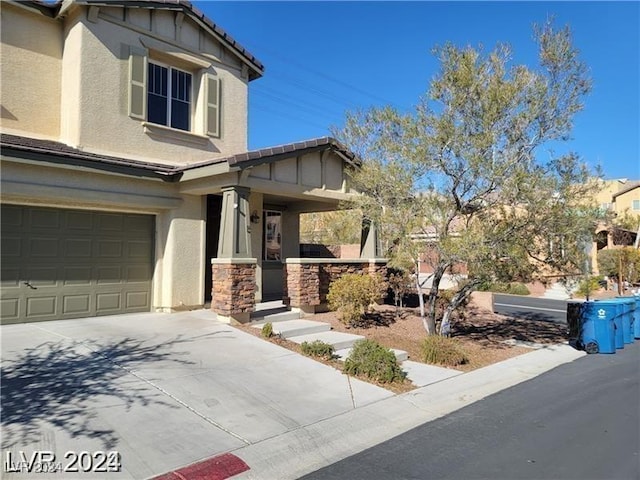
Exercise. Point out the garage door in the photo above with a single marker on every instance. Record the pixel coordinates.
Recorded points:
(60, 263)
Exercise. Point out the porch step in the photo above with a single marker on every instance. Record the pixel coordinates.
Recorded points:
(401, 355)
(276, 317)
(295, 327)
(339, 340)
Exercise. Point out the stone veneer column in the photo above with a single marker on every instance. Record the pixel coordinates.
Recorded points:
(233, 295)
(234, 288)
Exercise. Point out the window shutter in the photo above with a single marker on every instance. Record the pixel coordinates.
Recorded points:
(213, 106)
(138, 83)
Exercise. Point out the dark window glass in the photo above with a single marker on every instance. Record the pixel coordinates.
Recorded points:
(163, 83)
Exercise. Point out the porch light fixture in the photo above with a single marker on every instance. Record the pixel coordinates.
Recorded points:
(255, 218)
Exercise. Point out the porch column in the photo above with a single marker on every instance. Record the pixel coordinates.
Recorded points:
(370, 246)
(234, 271)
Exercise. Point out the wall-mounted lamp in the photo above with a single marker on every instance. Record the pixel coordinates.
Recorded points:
(255, 218)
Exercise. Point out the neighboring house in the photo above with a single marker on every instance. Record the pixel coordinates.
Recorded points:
(621, 198)
(125, 167)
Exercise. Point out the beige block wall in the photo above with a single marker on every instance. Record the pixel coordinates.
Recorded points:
(30, 59)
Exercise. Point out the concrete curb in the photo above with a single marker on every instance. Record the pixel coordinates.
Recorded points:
(309, 448)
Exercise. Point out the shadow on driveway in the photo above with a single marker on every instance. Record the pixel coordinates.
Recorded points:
(56, 382)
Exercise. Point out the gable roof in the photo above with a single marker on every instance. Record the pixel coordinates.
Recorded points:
(59, 153)
(631, 186)
(256, 68)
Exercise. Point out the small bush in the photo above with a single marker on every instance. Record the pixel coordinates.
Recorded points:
(443, 351)
(352, 294)
(513, 288)
(588, 285)
(318, 348)
(267, 330)
(374, 361)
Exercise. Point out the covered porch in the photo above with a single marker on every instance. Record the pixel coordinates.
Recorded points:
(254, 202)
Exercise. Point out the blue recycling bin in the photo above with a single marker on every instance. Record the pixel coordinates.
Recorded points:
(628, 306)
(598, 332)
(636, 318)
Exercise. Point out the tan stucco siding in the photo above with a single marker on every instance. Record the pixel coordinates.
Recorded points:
(31, 72)
(624, 202)
(105, 126)
(180, 259)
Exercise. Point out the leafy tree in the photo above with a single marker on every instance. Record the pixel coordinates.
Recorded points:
(331, 228)
(620, 263)
(463, 176)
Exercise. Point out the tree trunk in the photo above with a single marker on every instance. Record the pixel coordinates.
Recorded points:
(456, 301)
(430, 321)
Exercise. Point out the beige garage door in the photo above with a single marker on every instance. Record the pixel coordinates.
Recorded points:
(60, 263)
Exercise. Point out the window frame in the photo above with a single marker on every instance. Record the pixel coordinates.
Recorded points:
(265, 250)
(635, 205)
(169, 98)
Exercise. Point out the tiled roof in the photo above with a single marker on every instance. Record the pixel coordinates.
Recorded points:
(60, 153)
(265, 155)
(626, 189)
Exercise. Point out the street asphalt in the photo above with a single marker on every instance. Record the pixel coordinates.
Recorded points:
(579, 421)
(531, 308)
(166, 391)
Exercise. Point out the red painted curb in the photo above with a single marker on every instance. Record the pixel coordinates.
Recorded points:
(216, 468)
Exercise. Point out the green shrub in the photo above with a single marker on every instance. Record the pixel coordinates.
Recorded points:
(443, 351)
(513, 288)
(318, 348)
(374, 361)
(588, 285)
(352, 294)
(267, 330)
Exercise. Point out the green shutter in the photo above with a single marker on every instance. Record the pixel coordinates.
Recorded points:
(213, 106)
(138, 83)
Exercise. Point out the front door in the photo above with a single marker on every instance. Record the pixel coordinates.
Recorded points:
(272, 256)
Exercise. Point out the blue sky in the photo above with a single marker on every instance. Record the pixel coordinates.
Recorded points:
(325, 58)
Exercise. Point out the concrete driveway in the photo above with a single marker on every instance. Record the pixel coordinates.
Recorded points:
(162, 390)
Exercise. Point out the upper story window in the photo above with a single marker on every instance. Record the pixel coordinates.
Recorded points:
(635, 205)
(169, 97)
(164, 95)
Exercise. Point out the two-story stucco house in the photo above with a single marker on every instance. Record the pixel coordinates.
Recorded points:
(125, 170)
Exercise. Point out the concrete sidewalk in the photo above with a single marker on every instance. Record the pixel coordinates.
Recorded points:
(169, 390)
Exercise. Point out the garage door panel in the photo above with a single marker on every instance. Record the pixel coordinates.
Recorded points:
(45, 218)
(11, 246)
(137, 300)
(78, 247)
(109, 275)
(10, 308)
(79, 222)
(138, 249)
(137, 273)
(108, 303)
(76, 305)
(61, 263)
(41, 306)
(110, 223)
(77, 276)
(45, 247)
(110, 248)
(12, 216)
(10, 277)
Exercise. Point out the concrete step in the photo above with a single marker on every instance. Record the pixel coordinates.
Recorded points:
(401, 355)
(339, 340)
(421, 374)
(283, 316)
(295, 327)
